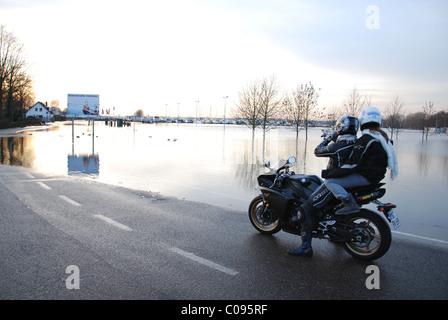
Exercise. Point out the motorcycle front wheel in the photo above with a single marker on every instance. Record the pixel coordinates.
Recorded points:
(264, 219)
(372, 236)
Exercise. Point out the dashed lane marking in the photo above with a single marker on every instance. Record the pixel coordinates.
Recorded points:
(72, 202)
(205, 262)
(43, 185)
(113, 222)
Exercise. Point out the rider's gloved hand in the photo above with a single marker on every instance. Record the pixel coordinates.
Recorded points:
(326, 134)
(334, 136)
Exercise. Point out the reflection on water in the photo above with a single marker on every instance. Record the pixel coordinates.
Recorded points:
(16, 151)
(219, 165)
(83, 164)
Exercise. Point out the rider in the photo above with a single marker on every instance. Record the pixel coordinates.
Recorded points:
(343, 140)
(372, 153)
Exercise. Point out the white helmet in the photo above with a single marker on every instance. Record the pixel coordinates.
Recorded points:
(370, 115)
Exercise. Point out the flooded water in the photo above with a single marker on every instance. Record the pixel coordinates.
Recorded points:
(219, 164)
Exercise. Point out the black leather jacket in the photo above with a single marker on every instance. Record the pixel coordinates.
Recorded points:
(338, 151)
(367, 158)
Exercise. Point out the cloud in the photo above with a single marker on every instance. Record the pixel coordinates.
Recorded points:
(146, 54)
(9, 4)
(409, 41)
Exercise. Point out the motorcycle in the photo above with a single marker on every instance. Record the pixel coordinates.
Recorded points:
(364, 235)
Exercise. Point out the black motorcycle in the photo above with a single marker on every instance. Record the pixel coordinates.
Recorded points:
(364, 235)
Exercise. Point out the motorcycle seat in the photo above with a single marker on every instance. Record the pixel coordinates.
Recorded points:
(365, 189)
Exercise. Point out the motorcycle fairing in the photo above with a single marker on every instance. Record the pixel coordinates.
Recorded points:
(304, 185)
(277, 199)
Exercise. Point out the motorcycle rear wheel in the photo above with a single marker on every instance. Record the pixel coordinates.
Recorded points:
(263, 219)
(372, 236)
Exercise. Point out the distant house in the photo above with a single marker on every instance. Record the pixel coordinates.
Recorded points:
(40, 111)
(55, 111)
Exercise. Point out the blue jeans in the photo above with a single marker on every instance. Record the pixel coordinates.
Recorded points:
(337, 185)
(331, 187)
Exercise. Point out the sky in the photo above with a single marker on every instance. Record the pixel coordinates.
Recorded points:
(184, 56)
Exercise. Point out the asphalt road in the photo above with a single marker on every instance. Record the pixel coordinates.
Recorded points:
(70, 238)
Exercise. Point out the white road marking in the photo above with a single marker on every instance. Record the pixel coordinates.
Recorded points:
(43, 185)
(113, 222)
(420, 237)
(203, 261)
(29, 175)
(72, 202)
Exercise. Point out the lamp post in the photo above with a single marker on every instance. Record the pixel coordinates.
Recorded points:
(197, 106)
(225, 99)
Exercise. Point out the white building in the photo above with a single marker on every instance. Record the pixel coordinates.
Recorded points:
(40, 111)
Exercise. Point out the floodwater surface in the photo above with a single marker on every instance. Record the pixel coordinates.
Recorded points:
(219, 164)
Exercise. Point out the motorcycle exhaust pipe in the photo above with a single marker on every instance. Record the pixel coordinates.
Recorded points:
(369, 196)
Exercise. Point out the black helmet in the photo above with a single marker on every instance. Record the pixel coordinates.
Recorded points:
(347, 125)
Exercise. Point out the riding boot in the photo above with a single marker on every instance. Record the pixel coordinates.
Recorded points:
(350, 206)
(305, 249)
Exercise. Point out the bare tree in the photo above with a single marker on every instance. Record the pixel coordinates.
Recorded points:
(20, 96)
(354, 103)
(139, 113)
(248, 105)
(428, 111)
(6, 49)
(15, 83)
(441, 118)
(293, 112)
(259, 104)
(269, 102)
(333, 115)
(54, 104)
(304, 103)
(414, 121)
(16, 78)
(394, 114)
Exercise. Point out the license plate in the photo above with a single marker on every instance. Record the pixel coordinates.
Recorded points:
(394, 219)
